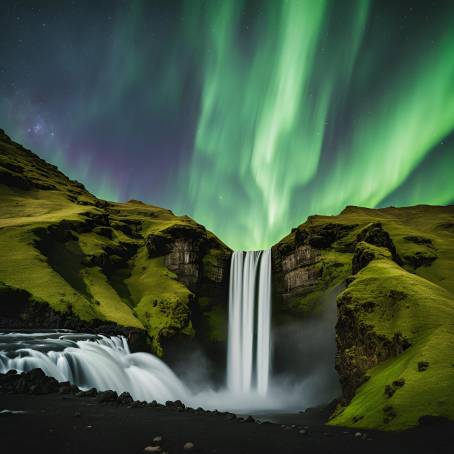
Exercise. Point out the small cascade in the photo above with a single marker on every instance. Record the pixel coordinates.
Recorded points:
(95, 362)
(248, 363)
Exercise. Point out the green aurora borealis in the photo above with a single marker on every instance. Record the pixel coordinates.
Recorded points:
(261, 113)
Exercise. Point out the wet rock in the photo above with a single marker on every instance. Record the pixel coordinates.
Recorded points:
(107, 396)
(124, 398)
(65, 388)
(31, 382)
(249, 419)
(92, 392)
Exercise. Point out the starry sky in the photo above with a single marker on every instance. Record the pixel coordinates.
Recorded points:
(247, 115)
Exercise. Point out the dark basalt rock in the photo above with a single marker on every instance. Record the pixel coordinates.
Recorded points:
(420, 258)
(418, 239)
(375, 234)
(32, 382)
(389, 413)
(360, 348)
(107, 396)
(125, 399)
(423, 365)
(431, 420)
(67, 388)
(175, 404)
(362, 257)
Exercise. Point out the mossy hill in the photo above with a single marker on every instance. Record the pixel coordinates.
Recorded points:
(72, 260)
(395, 328)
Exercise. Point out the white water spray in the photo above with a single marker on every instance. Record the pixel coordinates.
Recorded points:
(248, 363)
(106, 363)
(101, 362)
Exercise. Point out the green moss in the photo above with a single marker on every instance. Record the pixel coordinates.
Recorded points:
(431, 222)
(332, 269)
(89, 256)
(162, 302)
(27, 269)
(216, 324)
(109, 304)
(422, 312)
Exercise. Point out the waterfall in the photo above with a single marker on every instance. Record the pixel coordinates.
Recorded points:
(91, 362)
(96, 361)
(248, 359)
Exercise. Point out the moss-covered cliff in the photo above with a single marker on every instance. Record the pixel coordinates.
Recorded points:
(70, 259)
(395, 328)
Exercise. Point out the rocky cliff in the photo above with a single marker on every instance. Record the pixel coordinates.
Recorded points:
(72, 260)
(395, 315)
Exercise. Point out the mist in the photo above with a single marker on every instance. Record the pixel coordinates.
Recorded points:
(302, 371)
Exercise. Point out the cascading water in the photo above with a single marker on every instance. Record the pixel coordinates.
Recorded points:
(248, 363)
(91, 361)
(106, 363)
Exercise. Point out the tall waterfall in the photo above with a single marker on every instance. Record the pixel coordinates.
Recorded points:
(248, 363)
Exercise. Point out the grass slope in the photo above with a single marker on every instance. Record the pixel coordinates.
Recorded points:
(414, 301)
(84, 256)
(424, 314)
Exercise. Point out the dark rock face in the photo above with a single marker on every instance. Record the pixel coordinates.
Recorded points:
(364, 254)
(125, 399)
(202, 263)
(359, 347)
(420, 258)
(183, 259)
(20, 310)
(31, 382)
(193, 254)
(107, 396)
(293, 271)
(375, 234)
(298, 267)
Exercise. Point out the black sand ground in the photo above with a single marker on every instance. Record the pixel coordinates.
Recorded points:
(67, 424)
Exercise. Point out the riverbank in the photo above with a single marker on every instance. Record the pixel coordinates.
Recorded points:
(68, 424)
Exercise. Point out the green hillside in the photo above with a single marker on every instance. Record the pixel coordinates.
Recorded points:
(395, 329)
(94, 260)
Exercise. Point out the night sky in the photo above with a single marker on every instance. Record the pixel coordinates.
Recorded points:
(247, 115)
